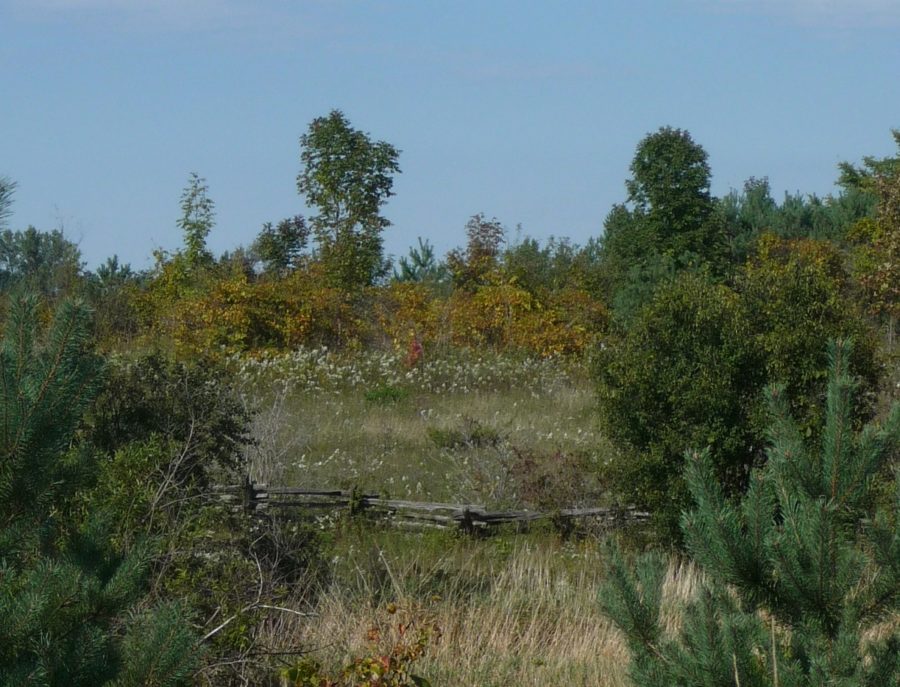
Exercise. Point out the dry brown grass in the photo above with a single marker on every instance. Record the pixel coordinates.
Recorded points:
(525, 616)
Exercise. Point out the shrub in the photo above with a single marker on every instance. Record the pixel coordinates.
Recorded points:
(386, 394)
(74, 609)
(684, 374)
(187, 404)
(802, 583)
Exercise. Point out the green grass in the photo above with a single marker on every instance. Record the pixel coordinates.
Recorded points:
(449, 432)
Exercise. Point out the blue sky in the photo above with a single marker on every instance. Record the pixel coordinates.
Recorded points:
(527, 111)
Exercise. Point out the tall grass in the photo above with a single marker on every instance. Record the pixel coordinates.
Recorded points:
(366, 420)
(512, 611)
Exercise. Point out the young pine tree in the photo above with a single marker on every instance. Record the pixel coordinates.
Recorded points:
(802, 574)
(70, 611)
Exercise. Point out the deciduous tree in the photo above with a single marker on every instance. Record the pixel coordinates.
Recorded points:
(197, 220)
(347, 177)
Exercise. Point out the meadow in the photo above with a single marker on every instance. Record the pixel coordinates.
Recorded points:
(500, 430)
(463, 428)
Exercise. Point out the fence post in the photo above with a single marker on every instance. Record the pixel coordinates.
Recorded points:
(248, 495)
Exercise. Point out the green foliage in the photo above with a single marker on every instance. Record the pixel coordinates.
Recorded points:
(753, 212)
(864, 177)
(802, 574)
(669, 189)
(110, 290)
(47, 385)
(876, 263)
(541, 269)
(683, 374)
(187, 404)
(386, 394)
(347, 177)
(46, 263)
(7, 188)
(671, 224)
(197, 220)
(421, 266)
(798, 294)
(690, 367)
(65, 595)
(280, 248)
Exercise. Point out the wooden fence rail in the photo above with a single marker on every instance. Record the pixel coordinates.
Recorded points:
(256, 498)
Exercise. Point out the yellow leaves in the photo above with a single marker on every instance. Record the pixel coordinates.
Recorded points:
(228, 309)
(507, 317)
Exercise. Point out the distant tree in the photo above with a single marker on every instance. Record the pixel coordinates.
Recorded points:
(669, 216)
(347, 177)
(470, 268)
(865, 176)
(541, 269)
(421, 266)
(7, 188)
(43, 262)
(670, 192)
(280, 247)
(747, 214)
(801, 583)
(110, 290)
(197, 220)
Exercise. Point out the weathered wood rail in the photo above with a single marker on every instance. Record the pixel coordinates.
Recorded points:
(260, 498)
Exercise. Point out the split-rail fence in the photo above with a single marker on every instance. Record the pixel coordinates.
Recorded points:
(472, 518)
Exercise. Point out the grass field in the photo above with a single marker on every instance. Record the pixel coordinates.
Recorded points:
(451, 429)
(513, 609)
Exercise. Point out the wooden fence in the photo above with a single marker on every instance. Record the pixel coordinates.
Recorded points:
(259, 498)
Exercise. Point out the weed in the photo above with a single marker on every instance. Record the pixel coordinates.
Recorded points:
(386, 394)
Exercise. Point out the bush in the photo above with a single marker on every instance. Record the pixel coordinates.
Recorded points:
(74, 608)
(185, 404)
(684, 374)
(802, 583)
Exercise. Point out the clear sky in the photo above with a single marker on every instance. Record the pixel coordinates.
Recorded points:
(527, 111)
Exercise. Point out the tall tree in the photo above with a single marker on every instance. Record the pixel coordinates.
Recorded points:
(348, 177)
(197, 220)
(669, 219)
(670, 191)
